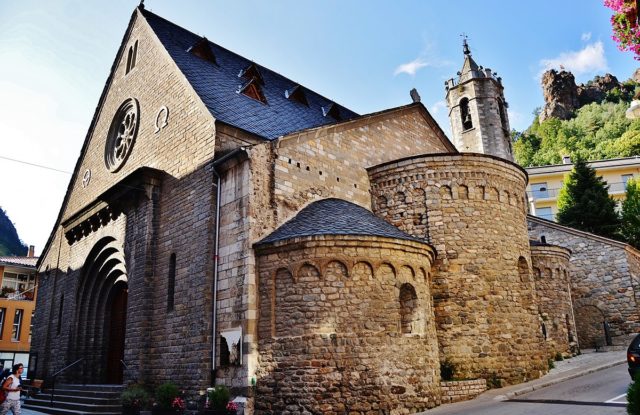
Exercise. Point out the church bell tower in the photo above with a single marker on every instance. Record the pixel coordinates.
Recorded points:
(478, 110)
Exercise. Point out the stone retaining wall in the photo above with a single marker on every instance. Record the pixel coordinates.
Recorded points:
(461, 390)
(604, 283)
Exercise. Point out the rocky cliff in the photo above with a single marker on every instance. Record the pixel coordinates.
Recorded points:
(562, 96)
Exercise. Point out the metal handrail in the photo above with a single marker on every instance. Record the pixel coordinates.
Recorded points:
(53, 377)
(124, 364)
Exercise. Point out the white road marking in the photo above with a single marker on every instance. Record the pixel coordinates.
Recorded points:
(615, 400)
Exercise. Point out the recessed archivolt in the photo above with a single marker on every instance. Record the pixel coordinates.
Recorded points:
(445, 192)
(392, 196)
(406, 274)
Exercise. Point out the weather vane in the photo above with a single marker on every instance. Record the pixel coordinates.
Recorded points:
(465, 45)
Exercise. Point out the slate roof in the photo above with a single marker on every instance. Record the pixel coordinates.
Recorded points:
(336, 217)
(217, 85)
(21, 261)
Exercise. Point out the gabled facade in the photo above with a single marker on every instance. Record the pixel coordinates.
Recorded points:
(226, 225)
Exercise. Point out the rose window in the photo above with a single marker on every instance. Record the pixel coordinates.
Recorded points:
(122, 135)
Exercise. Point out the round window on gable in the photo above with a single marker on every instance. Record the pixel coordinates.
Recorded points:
(122, 135)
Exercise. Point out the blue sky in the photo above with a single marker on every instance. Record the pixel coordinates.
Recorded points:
(55, 57)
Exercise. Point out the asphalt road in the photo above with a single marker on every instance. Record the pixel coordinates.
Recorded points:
(599, 393)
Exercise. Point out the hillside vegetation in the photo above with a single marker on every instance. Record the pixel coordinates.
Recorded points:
(596, 131)
(10, 243)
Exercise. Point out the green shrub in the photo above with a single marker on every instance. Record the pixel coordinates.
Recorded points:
(633, 396)
(550, 364)
(219, 397)
(165, 394)
(135, 396)
(558, 357)
(447, 370)
(494, 382)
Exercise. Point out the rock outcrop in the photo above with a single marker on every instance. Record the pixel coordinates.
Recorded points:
(562, 96)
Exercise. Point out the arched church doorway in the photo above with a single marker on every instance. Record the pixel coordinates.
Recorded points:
(116, 326)
(101, 312)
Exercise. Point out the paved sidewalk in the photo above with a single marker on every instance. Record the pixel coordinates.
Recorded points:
(588, 362)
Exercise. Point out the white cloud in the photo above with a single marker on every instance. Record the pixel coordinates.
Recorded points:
(587, 60)
(412, 67)
(435, 108)
(516, 120)
(586, 37)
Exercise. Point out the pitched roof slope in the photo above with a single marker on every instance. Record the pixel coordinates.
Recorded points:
(21, 261)
(336, 217)
(218, 84)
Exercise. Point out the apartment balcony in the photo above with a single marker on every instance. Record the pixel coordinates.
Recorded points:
(552, 194)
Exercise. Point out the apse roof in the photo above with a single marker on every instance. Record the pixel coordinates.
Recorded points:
(336, 217)
(220, 85)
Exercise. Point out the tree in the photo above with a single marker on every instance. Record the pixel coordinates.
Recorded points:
(584, 202)
(630, 227)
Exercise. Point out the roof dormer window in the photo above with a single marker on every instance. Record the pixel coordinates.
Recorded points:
(251, 72)
(296, 94)
(332, 110)
(253, 90)
(132, 55)
(202, 49)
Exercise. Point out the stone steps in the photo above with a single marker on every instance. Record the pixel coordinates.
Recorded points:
(78, 400)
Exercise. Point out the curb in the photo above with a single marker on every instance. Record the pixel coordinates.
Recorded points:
(544, 384)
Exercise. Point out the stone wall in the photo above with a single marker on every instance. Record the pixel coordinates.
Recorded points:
(472, 209)
(330, 161)
(346, 326)
(461, 390)
(604, 282)
(551, 270)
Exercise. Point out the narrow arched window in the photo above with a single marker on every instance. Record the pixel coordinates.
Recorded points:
(59, 328)
(132, 55)
(408, 309)
(171, 283)
(523, 269)
(465, 115)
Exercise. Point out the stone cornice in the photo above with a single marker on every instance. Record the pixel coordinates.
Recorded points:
(110, 204)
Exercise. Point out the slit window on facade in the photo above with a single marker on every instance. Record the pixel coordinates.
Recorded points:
(503, 115)
(60, 315)
(132, 55)
(31, 326)
(17, 323)
(171, 290)
(465, 114)
(3, 313)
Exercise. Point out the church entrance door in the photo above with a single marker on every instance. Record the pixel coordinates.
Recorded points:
(116, 323)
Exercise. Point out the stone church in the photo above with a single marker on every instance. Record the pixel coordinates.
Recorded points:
(226, 225)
